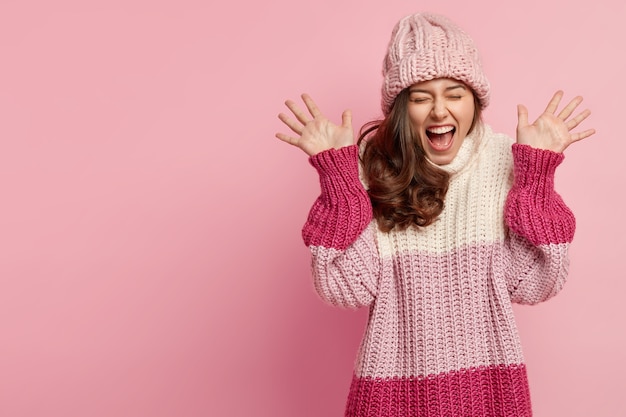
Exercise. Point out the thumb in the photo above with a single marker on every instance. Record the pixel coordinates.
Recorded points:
(522, 116)
(346, 119)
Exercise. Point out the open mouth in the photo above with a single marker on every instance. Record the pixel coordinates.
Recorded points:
(441, 137)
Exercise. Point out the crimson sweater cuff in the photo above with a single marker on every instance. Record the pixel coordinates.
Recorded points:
(343, 209)
(535, 168)
(534, 209)
(337, 167)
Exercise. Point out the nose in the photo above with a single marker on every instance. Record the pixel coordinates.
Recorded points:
(439, 110)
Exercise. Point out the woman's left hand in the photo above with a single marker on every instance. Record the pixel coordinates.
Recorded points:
(552, 131)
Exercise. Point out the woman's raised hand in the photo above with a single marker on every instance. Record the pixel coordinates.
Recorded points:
(315, 133)
(552, 131)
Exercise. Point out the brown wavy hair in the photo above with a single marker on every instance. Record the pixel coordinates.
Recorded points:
(405, 188)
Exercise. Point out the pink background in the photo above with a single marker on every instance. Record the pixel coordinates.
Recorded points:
(150, 254)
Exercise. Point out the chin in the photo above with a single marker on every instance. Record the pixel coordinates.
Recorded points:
(440, 159)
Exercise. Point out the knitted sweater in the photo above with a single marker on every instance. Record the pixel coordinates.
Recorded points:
(441, 339)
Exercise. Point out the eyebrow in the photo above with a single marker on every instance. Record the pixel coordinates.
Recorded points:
(452, 87)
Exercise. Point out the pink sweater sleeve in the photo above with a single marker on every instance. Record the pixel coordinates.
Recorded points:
(541, 227)
(533, 209)
(343, 209)
(345, 263)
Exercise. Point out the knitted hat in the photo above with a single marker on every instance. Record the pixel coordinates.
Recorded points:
(427, 46)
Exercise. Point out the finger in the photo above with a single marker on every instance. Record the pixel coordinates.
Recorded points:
(300, 115)
(346, 119)
(569, 109)
(292, 124)
(554, 102)
(522, 116)
(310, 104)
(575, 137)
(572, 123)
(288, 139)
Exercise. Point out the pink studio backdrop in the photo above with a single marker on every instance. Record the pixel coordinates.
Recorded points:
(150, 254)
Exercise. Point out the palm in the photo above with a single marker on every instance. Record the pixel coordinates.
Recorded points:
(551, 131)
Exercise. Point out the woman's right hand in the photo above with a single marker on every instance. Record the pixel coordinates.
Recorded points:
(315, 134)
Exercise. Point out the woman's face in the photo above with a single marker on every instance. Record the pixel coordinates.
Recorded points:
(442, 114)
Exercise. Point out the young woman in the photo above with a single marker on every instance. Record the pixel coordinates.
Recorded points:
(437, 225)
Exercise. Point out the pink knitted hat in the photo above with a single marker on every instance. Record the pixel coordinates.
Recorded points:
(427, 46)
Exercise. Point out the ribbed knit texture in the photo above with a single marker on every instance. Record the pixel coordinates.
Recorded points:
(441, 339)
(342, 211)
